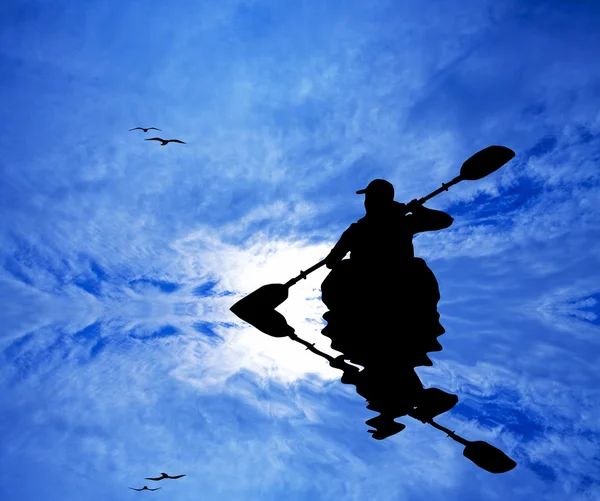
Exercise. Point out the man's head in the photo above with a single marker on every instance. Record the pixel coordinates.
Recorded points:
(379, 193)
(379, 188)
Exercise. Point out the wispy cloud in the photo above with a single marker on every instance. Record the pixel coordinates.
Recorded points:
(119, 259)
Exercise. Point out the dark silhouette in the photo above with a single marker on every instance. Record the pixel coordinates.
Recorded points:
(383, 309)
(145, 488)
(164, 141)
(145, 129)
(163, 476)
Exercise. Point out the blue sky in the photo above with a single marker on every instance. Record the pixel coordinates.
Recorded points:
(119, 259)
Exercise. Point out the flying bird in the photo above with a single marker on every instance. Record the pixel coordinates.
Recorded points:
(164, 475)
(145, 129)
(164, 141)
(145, 488)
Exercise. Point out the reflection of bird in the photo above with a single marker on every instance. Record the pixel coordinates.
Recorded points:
(145, 488)
(145, 129)
(164, 141)
(164, 475)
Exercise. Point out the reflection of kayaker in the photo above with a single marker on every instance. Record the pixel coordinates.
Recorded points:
(383, 304)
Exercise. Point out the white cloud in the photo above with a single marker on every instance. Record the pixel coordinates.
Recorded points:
(243, 270)
(284, 120)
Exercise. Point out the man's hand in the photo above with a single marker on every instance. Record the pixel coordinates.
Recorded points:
(401, 207)
(413, 206)
(331, 263)
(331, 260)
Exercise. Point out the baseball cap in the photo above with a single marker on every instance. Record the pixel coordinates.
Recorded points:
(379, 187)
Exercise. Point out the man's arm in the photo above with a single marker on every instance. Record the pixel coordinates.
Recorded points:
(340, 249)
(423, 219)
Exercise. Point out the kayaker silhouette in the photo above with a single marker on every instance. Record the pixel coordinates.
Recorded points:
(382, 305)
(383, 309)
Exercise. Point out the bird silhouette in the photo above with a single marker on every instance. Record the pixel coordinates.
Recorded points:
(145, 488)
(145, 129)
(164, 475)
(165, 141)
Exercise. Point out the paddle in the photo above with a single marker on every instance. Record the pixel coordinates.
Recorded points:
(258, 308)
(478, 166)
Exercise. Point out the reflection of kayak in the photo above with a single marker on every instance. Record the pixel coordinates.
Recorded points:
(385, 315)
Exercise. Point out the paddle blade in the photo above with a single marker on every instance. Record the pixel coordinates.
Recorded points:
(488, 457)
(485, 162)
(258, 309)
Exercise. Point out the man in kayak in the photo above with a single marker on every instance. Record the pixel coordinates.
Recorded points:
(383, 307)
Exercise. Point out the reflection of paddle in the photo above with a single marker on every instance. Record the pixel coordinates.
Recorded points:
(484, 455)
(258, 308)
